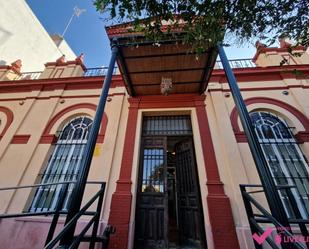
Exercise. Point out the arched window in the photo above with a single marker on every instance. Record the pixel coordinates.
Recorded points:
(63, 164)
(286, 162)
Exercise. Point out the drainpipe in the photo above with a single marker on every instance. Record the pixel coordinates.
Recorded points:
(78, 191)
(271, 192)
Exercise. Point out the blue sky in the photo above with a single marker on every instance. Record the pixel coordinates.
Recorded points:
(86, 33)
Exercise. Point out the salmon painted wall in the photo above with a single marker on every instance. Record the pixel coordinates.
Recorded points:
(32, 111)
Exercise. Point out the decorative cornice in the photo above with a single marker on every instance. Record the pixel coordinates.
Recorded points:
(9, 119)
(272, 73)
(70, 83)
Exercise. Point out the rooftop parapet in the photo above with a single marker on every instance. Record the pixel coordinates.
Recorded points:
(275, 56)
(62, 68)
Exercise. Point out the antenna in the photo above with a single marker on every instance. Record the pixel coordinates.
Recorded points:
(76, 12)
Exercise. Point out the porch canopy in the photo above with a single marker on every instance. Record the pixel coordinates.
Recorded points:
(144, 63)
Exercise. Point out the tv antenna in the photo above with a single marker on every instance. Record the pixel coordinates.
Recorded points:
(76, 12)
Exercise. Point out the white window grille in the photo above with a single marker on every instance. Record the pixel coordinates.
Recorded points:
(288, 165)
(63, 164)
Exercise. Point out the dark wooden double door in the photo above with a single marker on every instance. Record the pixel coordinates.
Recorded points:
(168, 207)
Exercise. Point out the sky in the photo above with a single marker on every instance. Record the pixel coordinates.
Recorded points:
(86, 33)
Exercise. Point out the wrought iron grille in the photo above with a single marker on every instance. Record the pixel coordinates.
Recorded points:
(167, 125)
(63, 164)
(287, 163)
(153, 167)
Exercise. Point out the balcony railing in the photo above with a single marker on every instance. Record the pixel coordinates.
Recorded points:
(102, 71)
(29, 76)
(98, 71)
(237, 63)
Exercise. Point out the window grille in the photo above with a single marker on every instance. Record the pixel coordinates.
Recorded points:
(63, 164)
(153, 174)
(287, 163)
(167, 125)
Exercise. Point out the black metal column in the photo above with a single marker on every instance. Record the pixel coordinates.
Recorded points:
(271, 192)
(78, 192)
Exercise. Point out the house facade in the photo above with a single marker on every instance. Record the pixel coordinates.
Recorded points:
(172, 163)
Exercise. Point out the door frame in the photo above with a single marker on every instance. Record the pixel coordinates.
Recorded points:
(199, 167)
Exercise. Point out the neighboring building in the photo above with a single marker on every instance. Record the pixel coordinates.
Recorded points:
(23, 37)
(172, 164)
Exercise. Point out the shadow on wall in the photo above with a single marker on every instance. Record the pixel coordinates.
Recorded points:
(4, 35)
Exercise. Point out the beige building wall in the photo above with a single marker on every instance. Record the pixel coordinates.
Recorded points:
(21, 162)
(234, 158)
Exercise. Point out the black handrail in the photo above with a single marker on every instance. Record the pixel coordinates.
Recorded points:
(49, 212)
(73, 221)
(59, 206)
(94, 221)
(266, 217)
(36, 185)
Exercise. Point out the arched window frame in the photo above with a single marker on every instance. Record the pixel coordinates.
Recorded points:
(280, 138)
(63, 163)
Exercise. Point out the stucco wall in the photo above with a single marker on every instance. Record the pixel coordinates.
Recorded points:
(34, 108)
(21, 162)
(234, 158)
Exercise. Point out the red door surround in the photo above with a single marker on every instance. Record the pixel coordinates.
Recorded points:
(120, 209)
(219, 207)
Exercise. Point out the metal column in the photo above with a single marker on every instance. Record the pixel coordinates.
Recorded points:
(271, 192)
(78, 192)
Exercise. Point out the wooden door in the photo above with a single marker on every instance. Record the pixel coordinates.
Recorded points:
(151, 206)
(190, 216)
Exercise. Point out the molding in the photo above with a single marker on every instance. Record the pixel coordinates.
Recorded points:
(240, 137)
(62, 97)
(50, 84)
(272, 73)
(9, 119)
(47, 137)
(219, 206)
(20, 139)
(299, 115)
(260, 88)
(302, 136)
(170, 101)
(120, 207)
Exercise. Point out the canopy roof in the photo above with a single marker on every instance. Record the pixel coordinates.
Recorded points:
(143, 63)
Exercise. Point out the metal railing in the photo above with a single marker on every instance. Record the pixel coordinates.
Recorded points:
(102, 71)
(28, 76)
(283, 238)
(89, 72)
(98, 71)
(52, 241)
(236, 63)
